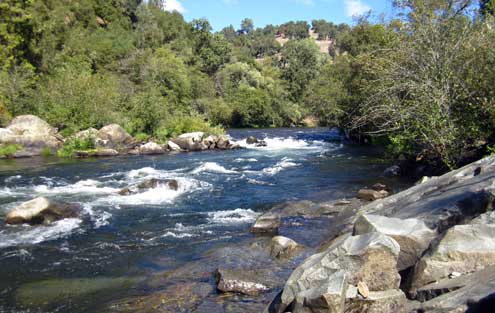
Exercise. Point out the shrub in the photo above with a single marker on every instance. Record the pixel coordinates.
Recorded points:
(8, 150)
(75, 144)
(142, 137)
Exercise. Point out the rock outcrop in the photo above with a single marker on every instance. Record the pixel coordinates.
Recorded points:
(149, 148)
(32, 133)
(370, 258)
(412, 235)
(191, 141)
(41, 211)
(463, 249)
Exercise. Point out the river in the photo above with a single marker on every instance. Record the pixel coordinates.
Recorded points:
(220, 194)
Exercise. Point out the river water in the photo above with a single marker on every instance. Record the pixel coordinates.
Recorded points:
(220, 194)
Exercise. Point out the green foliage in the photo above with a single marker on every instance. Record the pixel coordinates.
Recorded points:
(8, 150)
(142, 137)
(46, 152)
(73, 145)
(180, 124)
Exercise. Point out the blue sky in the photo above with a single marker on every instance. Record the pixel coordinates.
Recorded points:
(222, 13)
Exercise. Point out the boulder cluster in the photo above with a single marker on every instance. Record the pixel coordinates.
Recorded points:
(35, 137)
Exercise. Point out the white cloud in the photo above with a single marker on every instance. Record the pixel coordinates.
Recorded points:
(356, 7)
(173, 5)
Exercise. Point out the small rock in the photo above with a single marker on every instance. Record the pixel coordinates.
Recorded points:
(372, 195)
(172, 146)
(363, 289)
(266, 224)
(392, 171)
(251, 140)
(149, 184)
(223, 143)
(248, 282)
(283, 247)
(41, 211)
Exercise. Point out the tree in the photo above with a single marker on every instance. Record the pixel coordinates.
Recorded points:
(487, 7)
(247, 26)
(300, 63)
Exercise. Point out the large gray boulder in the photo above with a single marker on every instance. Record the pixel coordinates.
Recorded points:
(330, 296)
(149, 148)
(388, 301)
(456, 295)
(32, 133)
(463, 249)
(113, 136)
(412, 235)
(370, 258)
(445, 201)
(191, 141)
(41, 211)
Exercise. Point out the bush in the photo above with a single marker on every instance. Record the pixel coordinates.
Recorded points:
(141, 137)
(75, 144)
(8, 150)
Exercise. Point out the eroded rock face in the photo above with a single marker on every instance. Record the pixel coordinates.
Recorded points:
(370, 258)
(149, 184)
(115, 137)
(464, 249)
(41, 211)
(32, 133)
(283, 247)
(412, 235)
(388, 301)
(191, 141)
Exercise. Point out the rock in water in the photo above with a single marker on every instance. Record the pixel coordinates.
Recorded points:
(392, 171)
(191, 141)
(283, 247)
(115, 137)
(149, 184)
(172, 146)
(248, 282)
(371, 194)
(464, 249)
(412, 235)
(41, 211)
(369, 258)
(149, 149)
(251, 140)
(266, 224)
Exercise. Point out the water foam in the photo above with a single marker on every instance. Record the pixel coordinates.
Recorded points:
(277, 168)
(88, 186)
(29, 235)
(212, 167)
(236, 216)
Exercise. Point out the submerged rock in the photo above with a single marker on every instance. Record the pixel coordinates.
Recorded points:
(412, 235)
(463, 249)
(283, 247)
(392, 171)
(248, 282)
(149, 184)
(369, 258)
(41, 211)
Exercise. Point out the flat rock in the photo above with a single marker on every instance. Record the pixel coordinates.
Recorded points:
(472, 290)
(445, 201)
(283, 247)
(41, 211)
(463, 249)
(412, 235)
(370, 258)
(247, 282)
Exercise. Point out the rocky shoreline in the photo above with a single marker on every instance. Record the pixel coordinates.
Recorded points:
(430, 248)
(31, 136)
